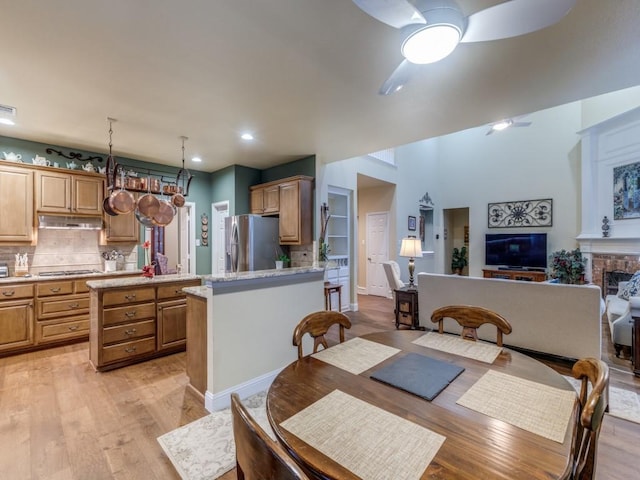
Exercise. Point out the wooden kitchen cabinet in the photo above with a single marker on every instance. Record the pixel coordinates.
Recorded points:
(16, 316)
(120, 228)
(197, 343)
(16, 205)
(292, 200)
(62, 311)
(130, 325)
(71, 193)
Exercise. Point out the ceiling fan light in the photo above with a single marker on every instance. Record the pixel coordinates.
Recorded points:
(431, 43)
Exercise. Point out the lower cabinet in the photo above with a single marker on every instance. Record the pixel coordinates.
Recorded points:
(129, 325)
(16, 324)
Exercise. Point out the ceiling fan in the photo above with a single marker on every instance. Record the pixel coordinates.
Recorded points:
(432, 29)
(506, 123)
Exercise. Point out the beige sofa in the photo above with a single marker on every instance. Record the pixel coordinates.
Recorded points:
(561, 320)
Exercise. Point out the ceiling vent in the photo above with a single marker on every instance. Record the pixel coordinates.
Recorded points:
(7, 110)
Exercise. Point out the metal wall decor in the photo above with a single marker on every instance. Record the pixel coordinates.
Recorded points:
(73, 155)
(522, 213)
(204, 234)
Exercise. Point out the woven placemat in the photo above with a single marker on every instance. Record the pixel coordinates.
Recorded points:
(356, 355)
(532, 406)
(484, 352)
(370, 442)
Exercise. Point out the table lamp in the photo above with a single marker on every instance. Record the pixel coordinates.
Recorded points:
(411, 248)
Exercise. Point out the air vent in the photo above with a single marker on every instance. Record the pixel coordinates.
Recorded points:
(7, 110)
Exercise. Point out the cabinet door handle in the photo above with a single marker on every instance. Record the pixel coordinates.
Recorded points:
(8, 293)
(55, 289)
(74, 305)
(73, 328)
(130, 314)
(178, 291)
(130, 349)
(130, 332)
(130, 297)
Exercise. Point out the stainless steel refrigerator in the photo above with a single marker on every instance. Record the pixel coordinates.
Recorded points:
(251, 243)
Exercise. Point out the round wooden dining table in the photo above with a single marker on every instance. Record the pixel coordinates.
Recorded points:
(476, 446)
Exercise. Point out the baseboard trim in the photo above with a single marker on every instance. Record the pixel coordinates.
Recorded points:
(222, 400)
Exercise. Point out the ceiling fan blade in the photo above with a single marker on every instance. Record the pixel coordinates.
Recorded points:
(397, 79)
(396, 13)
(520, 124)
(513, 18)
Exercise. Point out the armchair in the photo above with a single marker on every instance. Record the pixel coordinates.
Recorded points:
(392, 271)
(619, 318)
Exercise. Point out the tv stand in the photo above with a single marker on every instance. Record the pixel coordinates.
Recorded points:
(511, 274)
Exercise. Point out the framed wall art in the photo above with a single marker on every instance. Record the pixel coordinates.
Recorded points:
(521, 213)
(626, 191)
(412, 223)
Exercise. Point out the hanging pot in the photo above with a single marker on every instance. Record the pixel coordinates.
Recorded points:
(148, 205)
(165, 214)
(146, 221)
(107, 208)
(178, 200)
(122, 202)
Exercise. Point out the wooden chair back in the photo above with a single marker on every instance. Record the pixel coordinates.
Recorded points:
(317, 324)
(593, 404)
(258, 456)
(470, 318)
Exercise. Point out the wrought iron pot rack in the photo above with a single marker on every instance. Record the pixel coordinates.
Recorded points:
(146, 180)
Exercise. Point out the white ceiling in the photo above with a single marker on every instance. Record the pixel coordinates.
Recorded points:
(302, 75)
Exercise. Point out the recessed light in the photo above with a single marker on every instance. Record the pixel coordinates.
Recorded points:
(246, 136)
(501, 125)
(6, 121)
(196, 159)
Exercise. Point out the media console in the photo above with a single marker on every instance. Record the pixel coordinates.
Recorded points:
(508, 274)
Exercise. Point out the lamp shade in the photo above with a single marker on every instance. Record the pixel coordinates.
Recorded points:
(411, 247)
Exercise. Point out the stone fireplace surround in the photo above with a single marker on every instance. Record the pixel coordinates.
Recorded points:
(604, 146)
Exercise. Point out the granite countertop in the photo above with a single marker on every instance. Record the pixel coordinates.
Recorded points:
(96, 275)
(139, 280)
(259, 274)
(200, 291)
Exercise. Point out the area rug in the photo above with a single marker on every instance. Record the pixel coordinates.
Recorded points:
(204, 449)
(622, 403)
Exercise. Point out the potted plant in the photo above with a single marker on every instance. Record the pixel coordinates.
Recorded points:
(568, 266)
(282, 259)
(459, 260)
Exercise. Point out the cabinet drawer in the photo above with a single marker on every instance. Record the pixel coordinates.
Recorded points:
(173, 291)
(13, 292)
(121, 351)
(51, 330)
(123, 297)
(129, 313)
(54, 288)
(80, 286)
(129, 331)
(61, 307)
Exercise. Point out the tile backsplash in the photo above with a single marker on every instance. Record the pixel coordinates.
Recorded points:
(67, 250)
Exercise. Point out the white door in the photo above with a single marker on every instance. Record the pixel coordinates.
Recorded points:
(377, 252)
(187, 238)
(219, 211)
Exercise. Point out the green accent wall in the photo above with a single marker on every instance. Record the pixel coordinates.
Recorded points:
(304, 166)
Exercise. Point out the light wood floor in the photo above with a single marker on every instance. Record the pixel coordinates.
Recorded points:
(61, 420)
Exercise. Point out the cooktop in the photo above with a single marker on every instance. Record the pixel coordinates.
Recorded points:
(67, 272)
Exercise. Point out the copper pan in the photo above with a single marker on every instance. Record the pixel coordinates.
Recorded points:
(122, 202)
(148, 205)
(178, 200)
(165, 214)
(107, 208)
(146, 221)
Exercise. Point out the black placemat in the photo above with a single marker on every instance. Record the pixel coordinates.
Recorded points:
(423, 376)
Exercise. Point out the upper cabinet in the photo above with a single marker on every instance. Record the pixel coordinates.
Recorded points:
(120, 229)
(70, 193)
(292, 200)
(16, 205)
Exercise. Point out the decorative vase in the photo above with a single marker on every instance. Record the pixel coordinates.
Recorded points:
(110, 265)
(279, 264)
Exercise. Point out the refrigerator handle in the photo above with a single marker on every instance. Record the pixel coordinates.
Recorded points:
(233, 248)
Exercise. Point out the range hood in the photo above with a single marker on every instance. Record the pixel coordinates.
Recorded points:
(63, 222)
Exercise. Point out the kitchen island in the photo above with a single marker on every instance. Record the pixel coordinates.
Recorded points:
(137, 318)
(250, 318)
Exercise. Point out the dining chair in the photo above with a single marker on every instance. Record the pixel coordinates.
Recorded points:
(593, 372)
(317, 324)
(258, 456)
(470, 318)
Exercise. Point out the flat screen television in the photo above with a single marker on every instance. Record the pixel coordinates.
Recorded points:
(516, 250)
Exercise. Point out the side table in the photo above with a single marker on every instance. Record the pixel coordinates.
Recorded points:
(407, 308)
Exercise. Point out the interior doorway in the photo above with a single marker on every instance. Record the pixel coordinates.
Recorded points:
(219, 211)
(179, 240)
(456, 235)
(377, 250)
